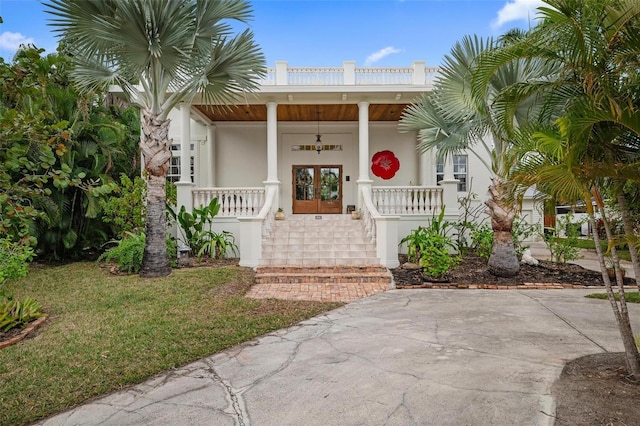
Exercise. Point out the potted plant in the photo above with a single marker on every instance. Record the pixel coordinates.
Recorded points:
(279, 214)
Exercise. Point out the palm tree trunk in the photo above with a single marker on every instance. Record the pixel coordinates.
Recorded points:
(157, 155)
(630, 234)
(503, 261)
(619, 311)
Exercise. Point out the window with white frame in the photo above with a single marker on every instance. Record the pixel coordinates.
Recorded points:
(460, 171)
(173, 174)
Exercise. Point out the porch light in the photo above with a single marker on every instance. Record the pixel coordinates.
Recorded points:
(318, 141)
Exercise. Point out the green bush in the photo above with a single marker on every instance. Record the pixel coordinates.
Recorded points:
(482, 240)
(431, 247)
(14, 260)
(127, 254)
(218, 245)
(564, 249)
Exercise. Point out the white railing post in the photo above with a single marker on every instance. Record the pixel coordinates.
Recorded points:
(349, 77)
(419, 76)
(282, 73)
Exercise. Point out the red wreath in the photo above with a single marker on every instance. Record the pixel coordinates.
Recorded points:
(385, 164)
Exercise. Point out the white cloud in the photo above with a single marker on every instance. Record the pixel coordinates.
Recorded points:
(376, 56)
(12, 41)
(517, 10)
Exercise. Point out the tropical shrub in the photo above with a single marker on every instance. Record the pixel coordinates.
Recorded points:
(126, 212)
(218, 245)
(195, 227)
(15, 313)
(482, 240)
(14, 258)
(520, 232)
(127, 254)
(564, 249)
(431, 247)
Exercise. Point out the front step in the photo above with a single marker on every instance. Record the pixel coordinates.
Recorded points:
(320, 283)
(313, 240)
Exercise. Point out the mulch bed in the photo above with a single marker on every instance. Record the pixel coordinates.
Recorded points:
(472, 271)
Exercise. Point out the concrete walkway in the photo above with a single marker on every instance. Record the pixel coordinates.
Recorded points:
(403, 357)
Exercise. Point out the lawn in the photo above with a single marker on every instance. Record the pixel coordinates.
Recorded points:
(106, 332)
(630, 296)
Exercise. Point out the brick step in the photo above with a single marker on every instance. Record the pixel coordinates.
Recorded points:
(328, 278)
(360, 274)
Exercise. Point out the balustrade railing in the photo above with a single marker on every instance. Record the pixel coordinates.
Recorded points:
(348, 74)
(234, 202)
(382, 76)
(407, 200)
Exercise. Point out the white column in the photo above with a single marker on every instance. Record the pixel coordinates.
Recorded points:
(185, 185)
(363, 150)
(272, 149)
(185, 143)
(449, 189)
(211, 156)
(423, 163)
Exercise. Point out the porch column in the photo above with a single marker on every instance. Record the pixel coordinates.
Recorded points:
(272, 149)
(449, 189)
(211, 156)
(363, 149)
(423, 164)
(185, 185)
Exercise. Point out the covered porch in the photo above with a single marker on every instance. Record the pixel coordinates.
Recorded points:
(336, 118)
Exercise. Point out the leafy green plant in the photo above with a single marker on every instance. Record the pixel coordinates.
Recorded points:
(127, 254)
(564, 249)
(482, 240)
(520, 232)
(15, 313)
(431, 247)
(126, 212)
(194, 227)
(218, 244)
(14, 258)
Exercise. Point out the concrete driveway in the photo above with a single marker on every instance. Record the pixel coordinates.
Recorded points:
(403, 357)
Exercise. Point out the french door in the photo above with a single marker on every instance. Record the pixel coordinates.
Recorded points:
(317, 189)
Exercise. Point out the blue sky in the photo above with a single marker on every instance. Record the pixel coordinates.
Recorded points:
(328, 32)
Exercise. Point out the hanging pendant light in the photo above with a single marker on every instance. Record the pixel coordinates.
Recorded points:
(318, 141)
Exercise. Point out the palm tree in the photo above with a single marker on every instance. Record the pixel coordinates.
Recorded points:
(161, 53)
(453, 118)
(595, 45)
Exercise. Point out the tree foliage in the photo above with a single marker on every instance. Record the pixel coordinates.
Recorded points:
(59, 151)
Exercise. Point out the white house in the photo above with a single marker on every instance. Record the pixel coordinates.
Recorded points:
(306, 142)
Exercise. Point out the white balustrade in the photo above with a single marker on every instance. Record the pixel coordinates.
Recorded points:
(335, 76)
(384, 76)
(407, 200)
(234, 202)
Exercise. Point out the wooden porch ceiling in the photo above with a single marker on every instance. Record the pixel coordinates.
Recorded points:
(331, 112)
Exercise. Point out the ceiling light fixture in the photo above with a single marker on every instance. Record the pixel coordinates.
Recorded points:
(318, 141)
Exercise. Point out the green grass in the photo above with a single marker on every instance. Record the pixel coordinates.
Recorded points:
(106, 332)
(629, 296)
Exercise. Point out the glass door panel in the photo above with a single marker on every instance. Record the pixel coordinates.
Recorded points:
(317, 189)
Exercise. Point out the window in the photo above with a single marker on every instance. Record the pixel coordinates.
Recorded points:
(459, 171)
(173, 174)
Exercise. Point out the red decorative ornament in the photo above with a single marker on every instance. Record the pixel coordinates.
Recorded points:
(385, 164)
